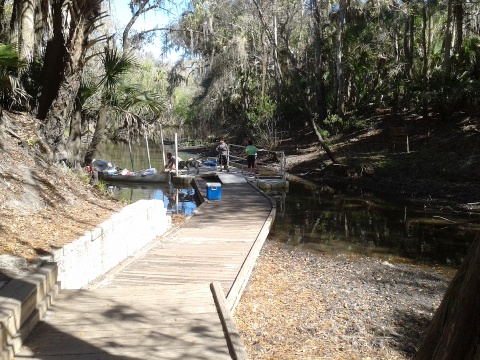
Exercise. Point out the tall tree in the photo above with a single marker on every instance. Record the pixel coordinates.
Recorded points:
(139, 8)
(74, 142)
(339, 58)
(319, 69)
(83, 17)
(447, 41)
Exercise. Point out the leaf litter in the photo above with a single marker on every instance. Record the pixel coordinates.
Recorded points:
(307, 305)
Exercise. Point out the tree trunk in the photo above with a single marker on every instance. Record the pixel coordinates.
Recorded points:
(97, 136)
(455, 332)
(75, 137)
(408, 39)
(22, 27)
(275, 54)
(15, 22)
(458, 14)
(27, 31)
(322, 142)
(319, 71)
(447, 39)
(82, 23)
(3, 38)
(61, 109)
(424, 62)
(339, 53)
(125, 39)
(264, 63)
(54, 62)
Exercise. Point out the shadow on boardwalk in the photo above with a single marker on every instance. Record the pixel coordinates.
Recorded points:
(159, 305)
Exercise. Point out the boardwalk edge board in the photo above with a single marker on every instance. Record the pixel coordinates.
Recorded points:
(235, 345)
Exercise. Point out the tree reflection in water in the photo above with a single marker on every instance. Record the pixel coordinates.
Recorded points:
(346, 220)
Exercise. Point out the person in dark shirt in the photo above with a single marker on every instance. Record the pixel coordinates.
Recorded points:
(251, 152)
(222, 150)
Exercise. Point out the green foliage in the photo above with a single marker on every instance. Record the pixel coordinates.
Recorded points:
(12, 93)
(132, 91)
(182, 107)
(115, 65)
(262, 121)
(383, 65)
(102, 186)
(261, 112)
(385, 165)
(338, 126)
(143, 101)
(86, 91)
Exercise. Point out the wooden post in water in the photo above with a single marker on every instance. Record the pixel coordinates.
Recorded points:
(163, 145)
(176, 155)
(176, 200)
(148, 152)
(130, 149)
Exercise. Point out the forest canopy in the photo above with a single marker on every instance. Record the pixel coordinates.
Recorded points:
(249, 68)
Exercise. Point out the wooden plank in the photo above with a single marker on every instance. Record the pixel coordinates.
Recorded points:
(159, 305)
(179, 321)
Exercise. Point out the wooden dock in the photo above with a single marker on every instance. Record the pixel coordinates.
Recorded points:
(168, 302)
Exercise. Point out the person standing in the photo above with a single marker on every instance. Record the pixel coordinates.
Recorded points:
(251, 152)
(222, 150)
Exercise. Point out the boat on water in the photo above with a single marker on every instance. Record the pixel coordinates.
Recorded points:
(138, 178)
(110, 173)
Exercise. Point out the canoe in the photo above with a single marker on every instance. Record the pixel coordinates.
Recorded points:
(163, 177)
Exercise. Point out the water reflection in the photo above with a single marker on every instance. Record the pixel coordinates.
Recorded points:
(176, 200)
(345, 220)
(330, 219)
(181, 201)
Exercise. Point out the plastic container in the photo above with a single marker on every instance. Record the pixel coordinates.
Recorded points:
(214, 191)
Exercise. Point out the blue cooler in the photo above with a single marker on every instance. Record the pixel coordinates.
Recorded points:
(214, 191)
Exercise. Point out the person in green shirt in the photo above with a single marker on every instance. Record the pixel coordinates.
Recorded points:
(251, 151)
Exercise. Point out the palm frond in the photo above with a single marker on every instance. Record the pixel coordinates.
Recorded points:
(85, 91)
(145, 101)
(115, 65)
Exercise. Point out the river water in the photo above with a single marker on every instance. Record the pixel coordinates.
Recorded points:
(329, 219)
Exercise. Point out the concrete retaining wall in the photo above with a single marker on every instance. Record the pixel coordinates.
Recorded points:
(24, 300)
(98, 251)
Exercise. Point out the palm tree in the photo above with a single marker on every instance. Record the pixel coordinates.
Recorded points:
(115, 65)
(129, 101)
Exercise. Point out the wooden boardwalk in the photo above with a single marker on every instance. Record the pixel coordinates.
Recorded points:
(168, 301)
